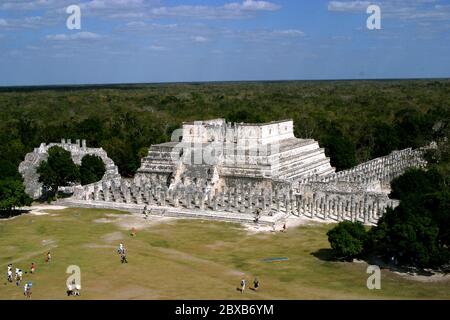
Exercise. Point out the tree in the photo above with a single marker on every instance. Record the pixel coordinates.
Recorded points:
(12, 195)
(9, 170)
(417, 232)
(341, 151)
(59, 170)
(415, 182)
(92, 169)
(243, 116)
(347, 239)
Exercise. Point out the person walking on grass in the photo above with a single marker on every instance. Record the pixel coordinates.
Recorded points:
(10, 273)
(27, 290)
(123, 258)
(19, 277)
(33, 268)
(48, 258)
(242, 285)
(256, 284)
(121, 249)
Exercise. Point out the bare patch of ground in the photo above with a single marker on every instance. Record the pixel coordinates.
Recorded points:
(47, 242)
(103, 220)
(138, 222)
(114, 236)
(291, 222)
(41, 210)
(436, 277)
(97, 246)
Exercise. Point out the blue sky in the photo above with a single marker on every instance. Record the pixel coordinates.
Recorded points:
(189, 40)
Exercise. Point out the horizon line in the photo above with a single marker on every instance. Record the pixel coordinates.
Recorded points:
(213, 81)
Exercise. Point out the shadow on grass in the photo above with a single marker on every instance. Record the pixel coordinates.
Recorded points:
(6, 214)
(325, 255)
(328, 255)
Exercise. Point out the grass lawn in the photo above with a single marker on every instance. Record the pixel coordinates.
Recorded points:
(185, 259)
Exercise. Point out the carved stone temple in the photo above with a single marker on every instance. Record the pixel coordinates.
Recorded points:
(238, 172)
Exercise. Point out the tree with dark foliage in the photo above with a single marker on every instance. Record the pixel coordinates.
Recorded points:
(347, 239)
(92, 169)
(12, 195)
(59, 170)
(416, 233)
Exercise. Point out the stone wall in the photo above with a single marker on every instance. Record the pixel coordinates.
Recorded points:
(78, 150)
(380, 171)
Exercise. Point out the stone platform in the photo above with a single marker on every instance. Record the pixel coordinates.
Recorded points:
(277, 217)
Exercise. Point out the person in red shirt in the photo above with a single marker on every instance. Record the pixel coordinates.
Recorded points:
(33, 267)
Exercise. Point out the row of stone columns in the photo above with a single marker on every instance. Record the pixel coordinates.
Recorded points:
(364, 207)
(382, 169)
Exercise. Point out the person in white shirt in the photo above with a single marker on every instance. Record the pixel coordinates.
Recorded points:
(18, 276)
(69, 289)
(77, 289)
(242, 285)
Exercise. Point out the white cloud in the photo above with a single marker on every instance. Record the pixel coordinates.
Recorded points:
(157, 48)
(348, 6)
(289, 32)
(199, 39)
(252, 5)
(231, 10)
(108, 4)
(77, 36)
(411, 10)
(133, 24)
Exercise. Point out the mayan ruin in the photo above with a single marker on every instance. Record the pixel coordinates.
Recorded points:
(237, 172)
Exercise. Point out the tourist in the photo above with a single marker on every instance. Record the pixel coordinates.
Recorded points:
(121, 249)
(123, 258)
(133, 232)
(16, 276)
(284, 227)
(27, 289)
(19, 276)
(10, 274)
(77, 290)
(242, 285)
(33, 268)
(145, 212)
(256, 284)
(69, 290)
(49, 257)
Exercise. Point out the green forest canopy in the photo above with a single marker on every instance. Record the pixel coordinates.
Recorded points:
(354, 120)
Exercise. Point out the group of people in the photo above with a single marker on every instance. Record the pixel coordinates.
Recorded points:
(73, 289)
(284, 229)
(255, 285)
(18, 278)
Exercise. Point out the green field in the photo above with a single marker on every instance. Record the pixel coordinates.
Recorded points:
(185, 259)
